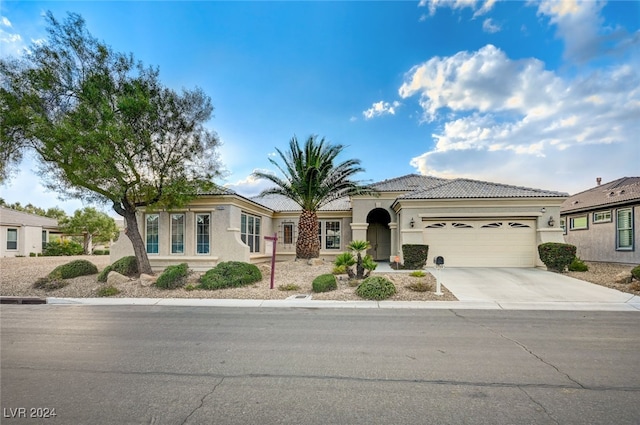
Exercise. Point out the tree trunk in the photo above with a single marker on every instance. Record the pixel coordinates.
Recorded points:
(308, 244)
(87, 243)
(136, 240)
(359, 268)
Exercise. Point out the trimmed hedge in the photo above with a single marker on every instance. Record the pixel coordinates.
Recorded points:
(127, 266)
(324, 283)
(173, 276)
(415, 256)
(376, 288)
(230, 274)
(556, 256)
(74, 269)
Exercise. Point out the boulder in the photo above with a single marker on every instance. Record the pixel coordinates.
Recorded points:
(315, 262)
(147, 279)
(115, 278)
(623, 277)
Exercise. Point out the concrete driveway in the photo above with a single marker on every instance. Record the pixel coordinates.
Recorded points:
(522, 285)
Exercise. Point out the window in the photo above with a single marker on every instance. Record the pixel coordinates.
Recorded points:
(602, 217)
(177, 233)
(563, 226)
(12, 239)
(624, 229)
(153, 227)
(250, 231)
(576, 223)
(44, 239)
(202, 233)
(287, 233)
(332, 235)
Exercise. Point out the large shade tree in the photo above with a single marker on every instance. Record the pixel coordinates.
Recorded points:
(105, 128)
(92, 225)
(312, 178)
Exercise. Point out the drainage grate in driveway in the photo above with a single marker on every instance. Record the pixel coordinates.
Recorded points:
(300, 297)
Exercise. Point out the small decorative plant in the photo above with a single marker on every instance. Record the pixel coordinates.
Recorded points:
(364, 265)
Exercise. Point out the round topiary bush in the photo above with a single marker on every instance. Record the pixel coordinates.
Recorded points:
(376, 288)
(635, 272)
(324, 283)
(556, 256)
(74, 269)
(127, 266)
(230, 274)
(173, 276)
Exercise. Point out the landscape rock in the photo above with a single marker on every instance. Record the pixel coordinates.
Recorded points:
(623, 277)
(115, 278)
(147, 279)
(315, 262)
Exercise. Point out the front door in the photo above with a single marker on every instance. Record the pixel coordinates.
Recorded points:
(379, 236)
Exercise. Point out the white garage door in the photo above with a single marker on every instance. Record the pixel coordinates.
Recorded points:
(482, 243)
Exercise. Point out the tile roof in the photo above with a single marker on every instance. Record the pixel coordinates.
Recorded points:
(410, 182)
(620, 191)
(281, 203)
(10, 217)
(466, 188)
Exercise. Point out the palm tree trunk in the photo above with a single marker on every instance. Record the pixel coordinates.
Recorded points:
(308, 244)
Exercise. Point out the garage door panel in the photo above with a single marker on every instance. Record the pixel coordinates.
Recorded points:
(482, 243)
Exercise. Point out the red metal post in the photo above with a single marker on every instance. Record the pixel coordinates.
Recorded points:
(274, 239)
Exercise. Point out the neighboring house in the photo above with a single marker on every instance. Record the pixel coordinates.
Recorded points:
(22, 234)
(602, 222)
(468, 222)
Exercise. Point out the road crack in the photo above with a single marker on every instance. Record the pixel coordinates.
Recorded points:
(202, 400)
(537, 403)
(522, 346)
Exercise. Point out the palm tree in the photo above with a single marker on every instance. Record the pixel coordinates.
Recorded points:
(312, 180)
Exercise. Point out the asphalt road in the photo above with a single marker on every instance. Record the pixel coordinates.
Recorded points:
(203, 365)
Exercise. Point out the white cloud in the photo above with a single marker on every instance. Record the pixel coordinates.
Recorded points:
(489, 26)
(509, 120)
(580, 26)
(381, 108)
(5, 22)
(250, 186)
(479, 7)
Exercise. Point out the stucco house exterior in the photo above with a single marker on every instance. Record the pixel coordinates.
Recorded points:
(602, 222)
(22, 234)
(470, 223)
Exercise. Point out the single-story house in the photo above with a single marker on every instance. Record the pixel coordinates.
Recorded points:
(470, 223)
(22, 234)
(602, 221)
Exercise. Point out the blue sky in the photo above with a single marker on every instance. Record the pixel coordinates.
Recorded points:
(538, 94)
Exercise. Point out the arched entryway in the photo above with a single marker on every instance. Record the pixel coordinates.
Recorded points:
(379, 234)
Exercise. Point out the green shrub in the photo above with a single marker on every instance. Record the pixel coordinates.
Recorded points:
(74, 269)
(64, 248)
(230, 274)
(417, 273)
(577, 265)
(420, 286)
(339, 270)
(376, 288)
(556, 256)
(415, 256)
(635, 272)
(33, 254)
(127, 266)
(190, 287)
(101, 252)
(108, 291)
(324, 283)
(173, 276)
(50, 284)
(288, 287)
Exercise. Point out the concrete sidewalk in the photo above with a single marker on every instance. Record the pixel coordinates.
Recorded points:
(633, 304)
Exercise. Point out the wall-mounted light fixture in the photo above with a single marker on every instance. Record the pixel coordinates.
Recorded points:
(412, 223)
(543, 210)
(551, 221)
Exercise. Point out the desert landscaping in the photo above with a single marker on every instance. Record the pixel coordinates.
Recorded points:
(19, 274)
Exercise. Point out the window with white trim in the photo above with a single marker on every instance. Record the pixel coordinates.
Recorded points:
(250, 231)
(563, 226)
(12, 239)
(152, 227)
(577, 223)
(624, 229)
(602, 217)
(332, 235)
(203, 231)
(177, 233)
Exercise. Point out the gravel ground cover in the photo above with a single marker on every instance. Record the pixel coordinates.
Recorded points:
(17, 276)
